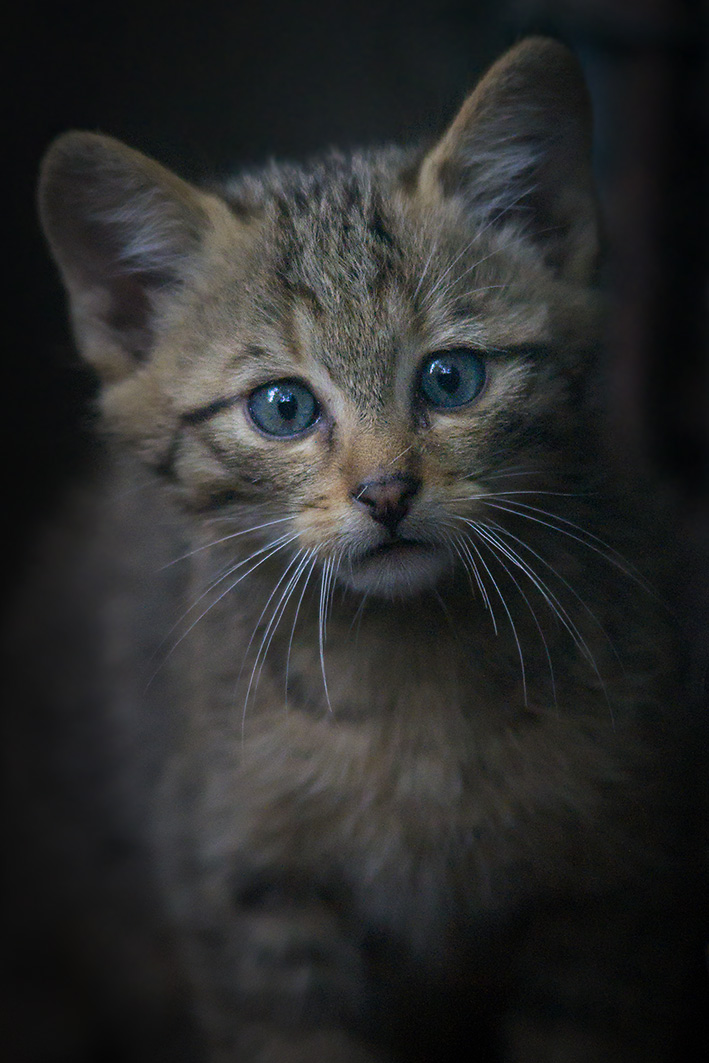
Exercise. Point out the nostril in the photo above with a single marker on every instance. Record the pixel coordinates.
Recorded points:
(387, 498)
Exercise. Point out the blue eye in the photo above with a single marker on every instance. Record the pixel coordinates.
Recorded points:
(451, 378)
(283, 408)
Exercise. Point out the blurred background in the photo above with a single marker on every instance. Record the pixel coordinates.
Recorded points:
(207, 88)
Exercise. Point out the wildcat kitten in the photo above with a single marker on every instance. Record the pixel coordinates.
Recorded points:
(400, 720)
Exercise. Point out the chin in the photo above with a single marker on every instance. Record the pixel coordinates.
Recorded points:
(401, 569)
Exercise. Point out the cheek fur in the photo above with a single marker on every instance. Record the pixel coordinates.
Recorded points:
(327, 520)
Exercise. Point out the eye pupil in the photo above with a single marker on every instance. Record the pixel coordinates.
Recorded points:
(448, 378)
(288, 406)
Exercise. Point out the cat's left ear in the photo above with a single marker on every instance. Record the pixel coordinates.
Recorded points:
(519, 153)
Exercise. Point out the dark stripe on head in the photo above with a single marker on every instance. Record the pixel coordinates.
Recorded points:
(379, 229)
(204, 413)
(219, 500)
(166, 465)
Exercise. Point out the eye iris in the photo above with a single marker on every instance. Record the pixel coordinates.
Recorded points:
(285, 408)
(452, 378)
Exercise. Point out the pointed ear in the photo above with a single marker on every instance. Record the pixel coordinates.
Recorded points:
(519, 153)
(124, 232)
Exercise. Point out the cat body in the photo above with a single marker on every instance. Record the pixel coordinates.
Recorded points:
(409, 718)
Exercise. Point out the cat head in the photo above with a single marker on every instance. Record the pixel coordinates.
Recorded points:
(358, 347)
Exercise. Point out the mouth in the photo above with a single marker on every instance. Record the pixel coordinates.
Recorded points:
(397, 568)
(394, 547)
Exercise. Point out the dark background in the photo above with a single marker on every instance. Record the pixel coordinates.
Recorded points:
(208, 87)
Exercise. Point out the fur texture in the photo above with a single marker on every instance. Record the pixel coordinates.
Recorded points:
(400, 717)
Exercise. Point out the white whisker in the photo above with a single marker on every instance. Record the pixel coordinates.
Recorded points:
(535, 619)
(508, 534)
(476, 237)
(486, 495)
(264, 554)
(302, 559)
(324, 588)
(519, 470)
(464, 553)
(404, 451)
(521, 509)
(486, 533)
(501, 596)
(312, 555)
(224, 573)
(357, 618)
(424, 271)
(224, 539)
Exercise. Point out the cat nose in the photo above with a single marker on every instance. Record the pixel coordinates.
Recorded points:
(387, 498)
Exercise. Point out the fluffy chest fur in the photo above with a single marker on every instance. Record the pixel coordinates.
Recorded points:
(406, 758)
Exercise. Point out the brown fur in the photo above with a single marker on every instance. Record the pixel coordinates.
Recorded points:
(375, 831)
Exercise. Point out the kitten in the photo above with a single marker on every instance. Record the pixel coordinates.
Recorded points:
(373, 678)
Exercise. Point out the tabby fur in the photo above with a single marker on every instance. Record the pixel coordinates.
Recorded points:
(386, 803)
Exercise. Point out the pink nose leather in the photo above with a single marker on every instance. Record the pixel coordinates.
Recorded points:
(387, 498)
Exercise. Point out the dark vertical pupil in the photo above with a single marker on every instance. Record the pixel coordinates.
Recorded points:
(448, 378)
(287, 406)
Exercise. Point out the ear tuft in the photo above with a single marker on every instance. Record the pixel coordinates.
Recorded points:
(122, 229)
(519, 153)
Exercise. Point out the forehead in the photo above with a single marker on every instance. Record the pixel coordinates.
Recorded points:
(347, 269)
(333, 215)
(335, 260)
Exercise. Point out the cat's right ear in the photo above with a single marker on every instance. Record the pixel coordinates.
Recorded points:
(125, 232)
(518, 157)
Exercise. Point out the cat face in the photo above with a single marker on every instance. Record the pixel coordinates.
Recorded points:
(367, 411)
(360, 349)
